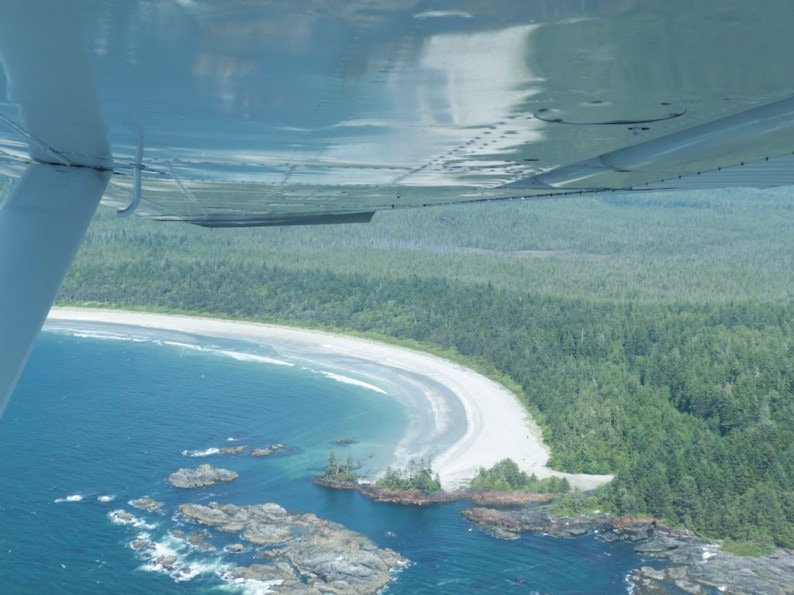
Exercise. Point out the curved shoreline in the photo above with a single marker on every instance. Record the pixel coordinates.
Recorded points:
(497, 424)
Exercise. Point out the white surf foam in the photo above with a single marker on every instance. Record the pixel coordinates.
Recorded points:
(182, 345)
(247, 586)
(250, 357)
(122, 517)
(237, 355)
(353, 381)
(103, 335)
(201, 453)
(182, 569)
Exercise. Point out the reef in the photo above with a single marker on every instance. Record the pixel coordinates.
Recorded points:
(203, 475)
(266, 451)
(302, 552)
(145, 504)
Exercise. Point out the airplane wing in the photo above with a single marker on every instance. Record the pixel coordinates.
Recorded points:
(253, 112)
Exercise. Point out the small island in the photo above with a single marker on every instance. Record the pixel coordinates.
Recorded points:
(417, 484)
(145, 504)
(203, 475)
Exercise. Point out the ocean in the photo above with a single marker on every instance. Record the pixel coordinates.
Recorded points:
(103, 415)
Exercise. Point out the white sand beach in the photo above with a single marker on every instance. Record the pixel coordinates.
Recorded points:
(497, 425)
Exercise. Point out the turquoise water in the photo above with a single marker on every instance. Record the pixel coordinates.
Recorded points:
(101, 417)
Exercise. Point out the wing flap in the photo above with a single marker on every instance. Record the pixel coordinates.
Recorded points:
(752, 135)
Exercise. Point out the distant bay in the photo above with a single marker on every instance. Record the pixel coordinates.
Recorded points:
(102, 417)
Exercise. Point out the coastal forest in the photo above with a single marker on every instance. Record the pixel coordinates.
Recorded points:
(650, 335)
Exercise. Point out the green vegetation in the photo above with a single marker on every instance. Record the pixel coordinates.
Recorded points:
(747, 548)
(650, 335)
(577, 503)
(506, 476)
(418, 475)
(338, 471)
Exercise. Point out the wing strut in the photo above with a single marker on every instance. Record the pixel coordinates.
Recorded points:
(42, 223)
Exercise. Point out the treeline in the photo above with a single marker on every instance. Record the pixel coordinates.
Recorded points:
(417, 475)
(340, 471)
(685, 393)
(506, 476)
(649, 248)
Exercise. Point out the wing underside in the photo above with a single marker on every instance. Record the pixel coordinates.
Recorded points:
(244, 113)
(274, 114)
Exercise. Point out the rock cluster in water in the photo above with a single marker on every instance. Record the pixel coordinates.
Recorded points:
(261, 451)
(345, 441)
(145, 504)
(203, 475)
(305, 554)
(266, 451)
(694, 565)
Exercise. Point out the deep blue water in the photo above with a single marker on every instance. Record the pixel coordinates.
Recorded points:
(110, 417)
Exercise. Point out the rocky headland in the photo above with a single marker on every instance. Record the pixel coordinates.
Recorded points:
(304, 554)
(509, 524)
(201, 476)
(694, 566)
(416, 497)
(691, 564)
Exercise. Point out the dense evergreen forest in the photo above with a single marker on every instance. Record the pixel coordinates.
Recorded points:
(650, 334)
